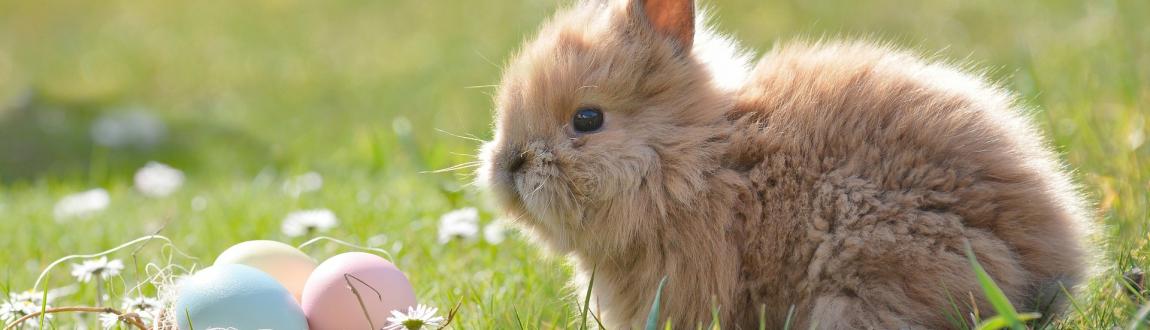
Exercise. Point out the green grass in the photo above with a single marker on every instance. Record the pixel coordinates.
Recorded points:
(254, 92)
(1007, 316)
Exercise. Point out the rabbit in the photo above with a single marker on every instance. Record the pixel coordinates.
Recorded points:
(834, 185)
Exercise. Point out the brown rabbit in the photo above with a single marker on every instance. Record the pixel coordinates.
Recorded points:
(841, 178)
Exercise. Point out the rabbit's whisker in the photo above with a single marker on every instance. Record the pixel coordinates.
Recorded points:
(472, 138)
(464, 155)
(485, 59)
(480, 86)
(537, 188)
(456, 167)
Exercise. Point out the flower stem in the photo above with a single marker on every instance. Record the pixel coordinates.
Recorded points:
(130, 318)
(99, 290)
(348, 278)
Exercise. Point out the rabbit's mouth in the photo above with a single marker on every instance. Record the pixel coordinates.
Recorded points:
(526, 181)
(530, 180)
(505, 177)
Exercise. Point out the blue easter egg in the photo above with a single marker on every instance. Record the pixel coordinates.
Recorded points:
(236, 296)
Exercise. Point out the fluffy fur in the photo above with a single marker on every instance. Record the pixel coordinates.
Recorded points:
(841, 178)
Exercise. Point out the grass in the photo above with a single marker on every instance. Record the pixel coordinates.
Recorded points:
(1007, 316)
(256, 92)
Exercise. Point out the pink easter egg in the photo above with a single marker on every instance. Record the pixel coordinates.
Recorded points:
(330, 303)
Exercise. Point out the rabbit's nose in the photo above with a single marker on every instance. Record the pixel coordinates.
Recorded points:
(516, 161)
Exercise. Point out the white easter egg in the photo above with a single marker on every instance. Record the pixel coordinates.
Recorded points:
(286, 264)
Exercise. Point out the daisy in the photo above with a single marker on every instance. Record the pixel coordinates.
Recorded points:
(495, 232)
(31, 296)
(401, 126)
(308, 182)
(362, 196)
(82, 204)
(461, 223)
(23, 304)
(377, 240)
(199, 203)
(37, 297)
(158, 180)
(304, 222)
(109, 320)
(97, 268)
(416, 318)
(146, 307)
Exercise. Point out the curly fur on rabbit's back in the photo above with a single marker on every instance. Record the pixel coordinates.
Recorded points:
(841, 178)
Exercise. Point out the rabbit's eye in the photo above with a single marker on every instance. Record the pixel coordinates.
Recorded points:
(587, 119)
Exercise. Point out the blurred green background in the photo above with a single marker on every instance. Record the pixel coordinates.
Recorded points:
(370, 94)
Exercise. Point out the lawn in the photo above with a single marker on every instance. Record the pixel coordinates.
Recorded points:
(373, 96)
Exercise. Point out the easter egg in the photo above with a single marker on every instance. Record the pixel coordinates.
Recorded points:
(330, 303)
(236, 296)
(283, 262)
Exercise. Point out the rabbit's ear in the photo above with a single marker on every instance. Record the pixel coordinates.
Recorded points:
(673, 19)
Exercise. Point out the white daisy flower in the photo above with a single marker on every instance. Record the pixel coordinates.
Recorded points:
(462, 223)
(158, 180)
(23, 304)
(362, 196)
(109, 320)
(82, 204)
(401, 126)
(36, 297)
(101, 268)
(308, 182)
(304, 222)
(377, 240)
(495, 232)
(146, 307)
(199, 203)
(31, 296)
(416, 318)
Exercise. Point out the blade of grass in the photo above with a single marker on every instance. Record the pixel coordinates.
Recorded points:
(44, 306)
(188, 316)
(954, 316)
(653, 316)
(587, 299)
(715, 322)
(790, 317)
(994, 294)
(518, 320)
(1073, 302)
(598, 321)
(762, 317)
(994, 323)
(999, 322)
(1139, 321)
